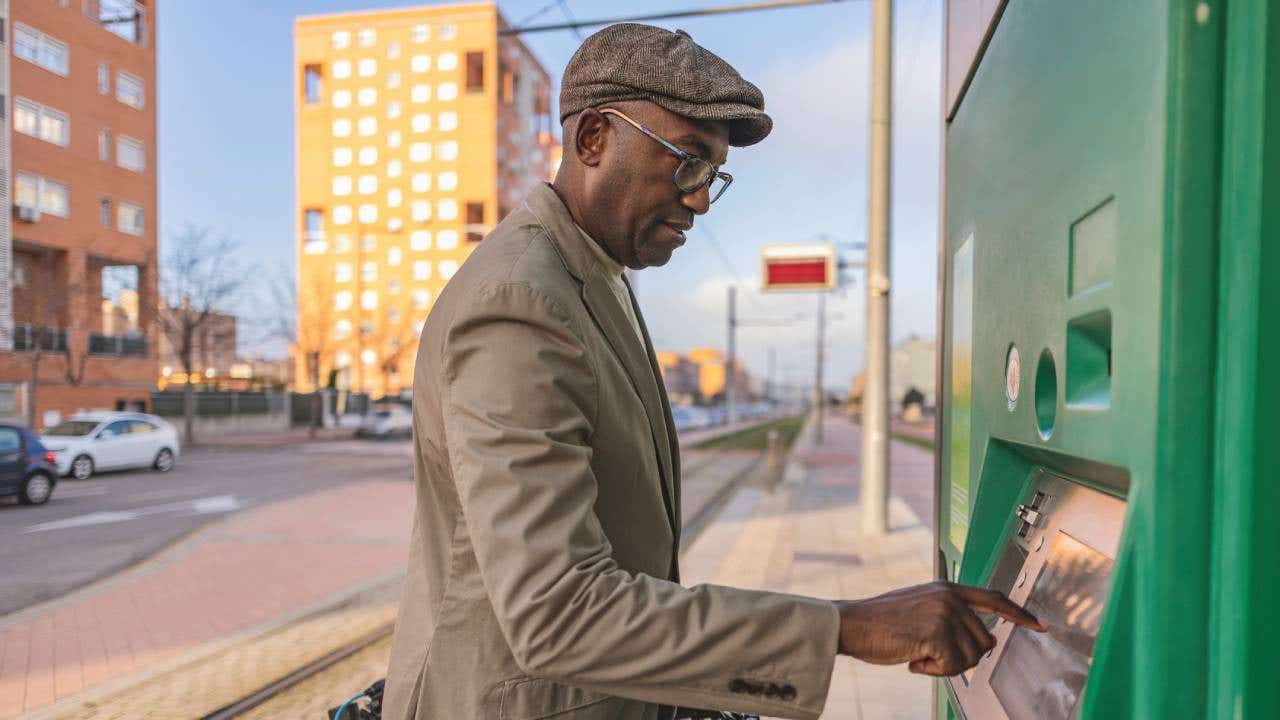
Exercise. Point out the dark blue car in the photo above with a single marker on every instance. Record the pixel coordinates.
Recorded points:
(26, 467)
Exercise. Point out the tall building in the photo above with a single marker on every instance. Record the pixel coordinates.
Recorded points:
(79, 188)
(417, 130)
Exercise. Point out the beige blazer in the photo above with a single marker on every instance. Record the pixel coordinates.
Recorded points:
(543, 579)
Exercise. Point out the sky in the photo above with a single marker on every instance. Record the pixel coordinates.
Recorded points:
(225, 114)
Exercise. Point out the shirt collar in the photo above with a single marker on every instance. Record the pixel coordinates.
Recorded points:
(611, 266)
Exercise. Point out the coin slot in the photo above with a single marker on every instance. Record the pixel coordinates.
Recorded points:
(1089, 361)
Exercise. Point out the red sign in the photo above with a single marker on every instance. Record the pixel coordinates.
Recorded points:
(798, 267)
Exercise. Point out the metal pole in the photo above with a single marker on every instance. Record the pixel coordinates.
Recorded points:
(729, 363)
(818, 403)
(875, 401)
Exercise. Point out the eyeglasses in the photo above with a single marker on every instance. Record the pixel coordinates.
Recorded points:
(694, 173)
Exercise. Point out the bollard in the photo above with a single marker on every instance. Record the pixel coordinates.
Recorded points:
(776, 458)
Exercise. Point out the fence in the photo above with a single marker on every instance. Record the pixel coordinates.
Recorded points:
(218, 413)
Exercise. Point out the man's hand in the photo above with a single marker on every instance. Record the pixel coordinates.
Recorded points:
(932, 627)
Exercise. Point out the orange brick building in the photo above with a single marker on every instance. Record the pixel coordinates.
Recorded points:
(80, 227)
(417, 129)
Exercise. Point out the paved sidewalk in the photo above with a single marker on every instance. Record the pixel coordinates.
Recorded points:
(225, 582)
(803, 537)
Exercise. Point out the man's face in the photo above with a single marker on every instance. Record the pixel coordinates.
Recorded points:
(642, 216)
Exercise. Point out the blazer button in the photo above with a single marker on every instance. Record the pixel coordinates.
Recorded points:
(787, 692)
(739, 685)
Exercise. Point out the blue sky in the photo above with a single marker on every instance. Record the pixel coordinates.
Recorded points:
(226, 157)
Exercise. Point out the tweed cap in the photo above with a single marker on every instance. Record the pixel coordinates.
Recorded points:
(629, 61)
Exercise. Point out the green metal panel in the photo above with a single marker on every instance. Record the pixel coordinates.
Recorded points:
(1084, 175)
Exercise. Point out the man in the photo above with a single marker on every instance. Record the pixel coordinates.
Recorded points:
(543, 579)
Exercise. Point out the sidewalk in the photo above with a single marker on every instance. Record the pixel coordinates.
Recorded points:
(803, 537)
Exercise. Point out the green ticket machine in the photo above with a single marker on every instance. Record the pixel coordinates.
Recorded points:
(1109, 363)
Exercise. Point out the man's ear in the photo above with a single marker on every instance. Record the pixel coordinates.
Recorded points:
(591, 137)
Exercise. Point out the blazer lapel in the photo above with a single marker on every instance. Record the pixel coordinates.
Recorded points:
(609, 315)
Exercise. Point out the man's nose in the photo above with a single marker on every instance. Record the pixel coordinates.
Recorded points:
(698, 201)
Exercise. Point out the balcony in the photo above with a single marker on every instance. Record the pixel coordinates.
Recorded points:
(27, 337)
(124, 18)
(117, 345)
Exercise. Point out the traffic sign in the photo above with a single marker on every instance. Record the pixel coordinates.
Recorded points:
(788, 268)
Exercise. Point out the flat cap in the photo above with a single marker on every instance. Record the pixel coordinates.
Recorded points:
(629, 61)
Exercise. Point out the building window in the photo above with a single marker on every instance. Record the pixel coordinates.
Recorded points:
(311, 86)
(130, 90)
(508, 87)
(342, 185)
(369, 299)
(368, 214)
(342, 300)
(394, 225)
(393, 109)
(43, 194)
(421, 122)
(313, 224)
(366, 97)
(393, 51)
(368, 67)
(40, 121)
(448, 268)
(447, 91)
(369, 271)
(420, 63)
(421, 33)
(342, 272)
(129, 218)
(393, 139)
(104, 145)
(341, 157)
(342, 329)
(448, 121)
(420, 152)
(421, 182)
(447, 181)
(421, 299)
(393, 256)
(342, 215)
(448, 150)
(393, 80)
(420, 240)
(447, 61)
(367, 37)
(421, 210)
(368, 156)
(341, 69)
(421, 270)
(341, 40)
(104, 79)
(131, 154)
(366, 126)
(36, 47)
(367, 185)
(447, 239)
(369, 243)
(393, 288)
(104, 212)
(447, 209)
(475, 221)
(420, 93)
(342, 128)
(475, 71)
(394, 168)
(341, 98)
(448, 32)
(342, 244)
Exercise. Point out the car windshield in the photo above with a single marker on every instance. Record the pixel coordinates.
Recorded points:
(382, 414)
(72, 428)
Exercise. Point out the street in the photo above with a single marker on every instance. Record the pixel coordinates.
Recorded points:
(91, 529)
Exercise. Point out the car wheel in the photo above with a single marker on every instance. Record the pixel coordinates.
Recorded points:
(164, 460)
(36, 489)
(82, 467)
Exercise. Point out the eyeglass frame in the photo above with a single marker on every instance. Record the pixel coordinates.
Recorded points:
(684, 158)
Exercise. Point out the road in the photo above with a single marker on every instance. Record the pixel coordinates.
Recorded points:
(92, 528)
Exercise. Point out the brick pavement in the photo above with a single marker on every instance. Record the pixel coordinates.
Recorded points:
(224, 582)
(803, 536)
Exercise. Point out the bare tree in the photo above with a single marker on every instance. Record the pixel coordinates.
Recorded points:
(198, 277)
(302, 317)
(392, 339)
(47, 302)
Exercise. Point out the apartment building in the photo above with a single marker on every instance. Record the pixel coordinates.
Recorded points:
(79, 240)
(417, 129)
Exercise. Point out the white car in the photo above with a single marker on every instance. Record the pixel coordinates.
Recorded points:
(386, 422)
(88, 442)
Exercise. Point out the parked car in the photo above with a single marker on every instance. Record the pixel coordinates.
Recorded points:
(86, 443)
(27, 467)
(392, 420)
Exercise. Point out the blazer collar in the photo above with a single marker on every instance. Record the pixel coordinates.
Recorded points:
(550, 210)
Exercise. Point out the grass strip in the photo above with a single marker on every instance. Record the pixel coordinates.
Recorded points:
(756, 437)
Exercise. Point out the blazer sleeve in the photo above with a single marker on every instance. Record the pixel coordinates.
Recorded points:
(519, 401)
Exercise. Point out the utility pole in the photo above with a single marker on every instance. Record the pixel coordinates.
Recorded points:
(875, 401)
(729, 362)
(819, 403)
